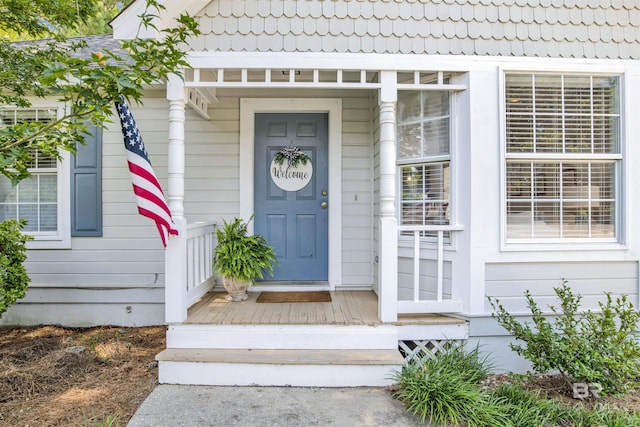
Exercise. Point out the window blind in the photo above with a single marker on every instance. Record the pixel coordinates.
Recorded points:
(562, 156)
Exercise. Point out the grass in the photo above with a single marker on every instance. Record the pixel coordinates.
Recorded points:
(444, 389)
(447, 390)
(524, 408)
(104, 421)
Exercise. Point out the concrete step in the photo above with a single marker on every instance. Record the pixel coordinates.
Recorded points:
(269, 367)
(292, 337)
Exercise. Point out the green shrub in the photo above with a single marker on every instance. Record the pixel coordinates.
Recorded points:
(13, 252)
(599, 416)
(605, 416)
(453, 357)
(583, 346)
(525, 409)
(444, 389)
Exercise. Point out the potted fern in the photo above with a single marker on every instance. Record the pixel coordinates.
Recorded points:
(241, 258)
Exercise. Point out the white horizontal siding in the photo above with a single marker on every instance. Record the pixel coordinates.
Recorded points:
(509, 281)
(428, 279)
(91, 243)
(99, 277)
(82, 315)
(130, 252)
(212, 164)
(357, 192)
(92, 280)
(127, 263)
(73, 295)
(104, 268)
(127, 255)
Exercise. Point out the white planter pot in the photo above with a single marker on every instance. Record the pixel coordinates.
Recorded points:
(236, 289)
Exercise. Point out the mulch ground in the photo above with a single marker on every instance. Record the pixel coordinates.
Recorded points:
(53, 376)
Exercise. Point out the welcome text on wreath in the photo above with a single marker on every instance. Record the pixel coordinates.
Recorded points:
(291, 169)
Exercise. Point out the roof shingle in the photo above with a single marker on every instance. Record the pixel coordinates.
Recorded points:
(552, 28)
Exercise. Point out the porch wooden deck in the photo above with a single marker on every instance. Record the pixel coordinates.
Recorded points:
(345, 308)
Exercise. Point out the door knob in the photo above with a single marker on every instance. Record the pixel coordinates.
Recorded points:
(324, 205)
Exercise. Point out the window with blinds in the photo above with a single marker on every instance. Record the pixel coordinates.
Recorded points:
(34, 198)
(562, 157)
(423, 127)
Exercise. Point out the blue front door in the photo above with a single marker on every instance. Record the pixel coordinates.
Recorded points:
(294, 222)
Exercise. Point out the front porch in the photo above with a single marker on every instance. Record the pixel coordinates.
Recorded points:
(374, 241)
(347, 308)
(408, 277)
(338, 343)
(194, 300)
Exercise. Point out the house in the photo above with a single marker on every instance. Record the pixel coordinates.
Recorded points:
(459, 150)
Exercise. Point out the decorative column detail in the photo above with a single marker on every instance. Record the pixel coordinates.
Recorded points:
(388, 159)
(175, 165)
(175, 258)
(388, 266)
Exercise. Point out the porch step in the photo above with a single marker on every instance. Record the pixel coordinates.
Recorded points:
(283, 337)
(271, 367)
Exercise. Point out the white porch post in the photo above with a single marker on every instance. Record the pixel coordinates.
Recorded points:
(388, 263)
(175, 260)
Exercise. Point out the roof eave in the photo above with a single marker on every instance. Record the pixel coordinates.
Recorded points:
(126, 25)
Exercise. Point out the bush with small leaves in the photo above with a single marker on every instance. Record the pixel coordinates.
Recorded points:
(583, 346)
(13, 252)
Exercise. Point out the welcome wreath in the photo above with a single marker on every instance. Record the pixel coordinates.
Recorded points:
(292, 155)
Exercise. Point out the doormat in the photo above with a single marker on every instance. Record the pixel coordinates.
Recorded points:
(312, 296)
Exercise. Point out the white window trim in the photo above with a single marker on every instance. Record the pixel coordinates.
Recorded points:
(333, 107)
(61, 239)
(566, 244)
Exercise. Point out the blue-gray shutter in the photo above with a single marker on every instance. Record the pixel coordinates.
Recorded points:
(86, 186)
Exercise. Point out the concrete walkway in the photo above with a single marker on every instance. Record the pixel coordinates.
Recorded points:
(194, 406)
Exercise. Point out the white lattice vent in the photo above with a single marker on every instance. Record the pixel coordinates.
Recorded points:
(419, 349)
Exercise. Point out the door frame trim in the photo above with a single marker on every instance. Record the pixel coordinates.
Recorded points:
(333, 107)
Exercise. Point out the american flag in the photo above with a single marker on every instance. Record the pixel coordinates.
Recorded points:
(151, 202)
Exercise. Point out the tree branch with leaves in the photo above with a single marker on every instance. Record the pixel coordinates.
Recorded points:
(86, 85)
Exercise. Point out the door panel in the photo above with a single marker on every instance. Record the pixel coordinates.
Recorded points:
(293, 222)
(276, 233)
(306, 238)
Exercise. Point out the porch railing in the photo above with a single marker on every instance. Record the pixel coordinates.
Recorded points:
(441, 303)
(201, 241)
